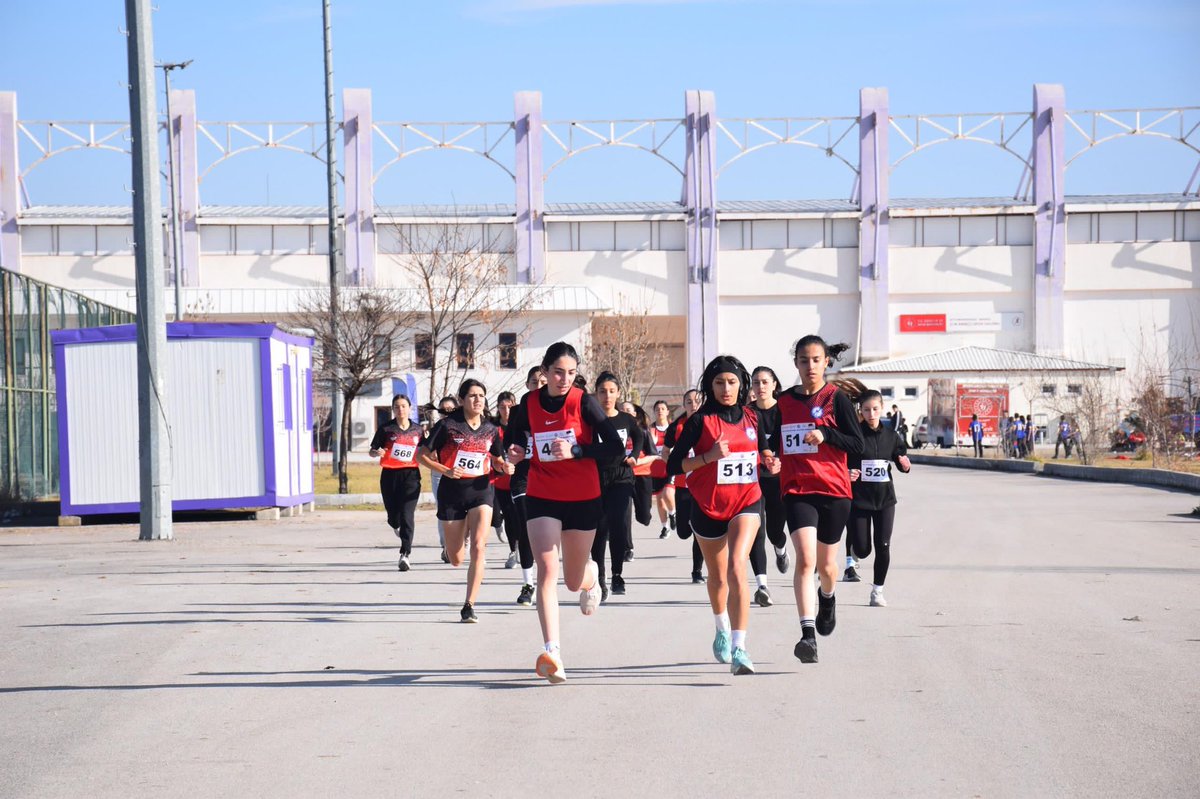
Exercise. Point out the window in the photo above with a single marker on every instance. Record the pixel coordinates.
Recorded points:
(888, 392)
(423, 350)
(508, 350)
(910, 392)
(464, 350)
(1074, 389)
(383, 350)
(1048, 390)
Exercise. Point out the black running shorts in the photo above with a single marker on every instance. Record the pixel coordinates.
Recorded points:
(455, 498)
(827, 514)
(705, 526)
(583, 515)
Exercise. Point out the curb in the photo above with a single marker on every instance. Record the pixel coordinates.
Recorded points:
(1157, 478)
(341, 500)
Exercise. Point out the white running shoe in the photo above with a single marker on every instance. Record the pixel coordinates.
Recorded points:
(877, 599)
(512, 561)
(589, 599)
(550, 667)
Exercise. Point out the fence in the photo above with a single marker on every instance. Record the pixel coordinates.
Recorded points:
(28, 413)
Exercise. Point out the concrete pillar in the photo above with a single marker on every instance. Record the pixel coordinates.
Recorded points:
(875, 335)
(530, 225)
(10, 184)
(187, 184)
(360, 195)
(1049, 217)
(700, 198)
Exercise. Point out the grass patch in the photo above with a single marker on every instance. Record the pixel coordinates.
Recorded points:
(363, 478)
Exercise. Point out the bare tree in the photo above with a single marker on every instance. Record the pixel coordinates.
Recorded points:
(369, 322)
(1090, 404)
(465, 308)
(630, 345)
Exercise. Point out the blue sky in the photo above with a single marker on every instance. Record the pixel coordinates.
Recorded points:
(614, 59)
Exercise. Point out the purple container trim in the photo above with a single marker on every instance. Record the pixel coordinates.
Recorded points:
(288, 415)
(177, 330)
(64, 442)
(291, 338)
(268, 419)
(265, 501)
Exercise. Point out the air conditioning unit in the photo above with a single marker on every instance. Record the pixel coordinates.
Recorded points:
(360, 428)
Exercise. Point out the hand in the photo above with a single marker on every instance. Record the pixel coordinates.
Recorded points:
(718, 451)
(854, 475)
(375, 453)
(631, 462)
(561, 449)
(814, 437)
(457, 473)
(771, 462)
(904, 462)
(516, 454)
(504, 467)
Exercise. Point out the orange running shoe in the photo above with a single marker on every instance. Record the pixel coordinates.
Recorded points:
(549, 665)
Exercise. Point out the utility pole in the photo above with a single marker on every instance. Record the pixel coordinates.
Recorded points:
(154, 454)
(172, 187)
(331, 359)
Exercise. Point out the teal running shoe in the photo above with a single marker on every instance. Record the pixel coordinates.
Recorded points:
(721, 647)
(742, 664)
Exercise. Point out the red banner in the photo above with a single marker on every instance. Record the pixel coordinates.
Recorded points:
(923, 323)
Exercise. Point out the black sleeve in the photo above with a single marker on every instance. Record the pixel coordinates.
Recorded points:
(608, 446)
(689, 437)
(847, 436)
(775, 428)
(669, 438)
(497, 447)
(518, 424)
(900, 449)
(436, 438)
(647, 447)
(377, 439)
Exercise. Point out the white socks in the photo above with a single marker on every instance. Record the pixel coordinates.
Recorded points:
(527, 575)
(849, 562)
(739, 639)
(722, 620)
(780, 550)
(761, 579)
(552, 647)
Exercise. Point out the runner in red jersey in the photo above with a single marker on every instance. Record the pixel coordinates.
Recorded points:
(395, 444)
(505, 515)
(816, 429)
(646, 461)
(664, 488)
(564, 431)
(683, 498)
(726, 498)
(465, 449)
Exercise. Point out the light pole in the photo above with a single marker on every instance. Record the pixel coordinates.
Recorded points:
(171, 187)
(331, 354)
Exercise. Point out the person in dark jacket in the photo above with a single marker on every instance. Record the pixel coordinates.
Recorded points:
(873, 508)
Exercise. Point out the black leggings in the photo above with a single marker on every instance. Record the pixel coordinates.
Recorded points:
(771, 525)
(614, 527)
(519, 531)
(504, 514)
(643, 495)
(401, 488)
(865, 525)
(683, 526)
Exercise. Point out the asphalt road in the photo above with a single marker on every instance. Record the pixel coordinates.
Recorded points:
(1041, 640)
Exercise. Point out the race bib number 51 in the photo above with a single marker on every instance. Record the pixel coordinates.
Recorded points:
(793, 438)
(543, 443)
(738, 468)
(874, 471)
(471, 463)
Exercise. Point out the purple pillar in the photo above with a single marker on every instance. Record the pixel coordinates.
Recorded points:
(875, 331)
(530, 225)
(10, 188)
(360, 200)
(700, 197)
(187, 184)
(1049, 217)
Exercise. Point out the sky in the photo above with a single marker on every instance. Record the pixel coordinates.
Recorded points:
(261, 60)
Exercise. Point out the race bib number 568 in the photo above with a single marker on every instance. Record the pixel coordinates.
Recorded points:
(403, 452)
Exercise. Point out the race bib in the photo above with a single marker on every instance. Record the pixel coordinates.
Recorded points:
(738, 468)
(875, 472)
(624, 434)
(793, 438)
(403, 452)
(542, 443)
(471, 463)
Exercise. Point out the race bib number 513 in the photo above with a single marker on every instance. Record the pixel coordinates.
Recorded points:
(738, 468)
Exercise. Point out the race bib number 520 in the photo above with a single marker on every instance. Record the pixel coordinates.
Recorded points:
(793, 438)
(470, 462)
(875, 471)
(543, 443)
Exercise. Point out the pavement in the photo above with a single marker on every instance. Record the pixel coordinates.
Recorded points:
(1041, 640)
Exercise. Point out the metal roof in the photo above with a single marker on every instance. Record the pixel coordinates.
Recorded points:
(977, 359)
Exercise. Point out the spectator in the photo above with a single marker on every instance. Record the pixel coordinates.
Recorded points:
(1020, 429)
(1065, 436)
(975, 428)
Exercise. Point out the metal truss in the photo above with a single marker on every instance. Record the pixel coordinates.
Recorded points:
(575, 137)
(1011, 132)
(1180, 125)
(235, 138)
(826, 134)
(406, 139)
(55, 138)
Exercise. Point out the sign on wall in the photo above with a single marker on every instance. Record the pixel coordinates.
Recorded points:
(961, 323)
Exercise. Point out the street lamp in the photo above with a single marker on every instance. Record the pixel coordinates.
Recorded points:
(175, 257)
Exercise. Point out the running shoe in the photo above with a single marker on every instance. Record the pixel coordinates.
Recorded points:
(721, 647)
(467, 614)
(403, 564)
(512, 560)
(618, 585)
(664, 532)
(877, 600)
(396, 530)
(629, 555)
(826, 613)
(782, 562)
(671, 519)
(445, 557)
(763, 597)
(741, 662)
(589, 598)
(851, 576)
(806, 650)
(697, 578)
(550, 667)
(526, 596)
(603, 592)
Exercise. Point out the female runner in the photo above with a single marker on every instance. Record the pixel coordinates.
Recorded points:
(395, 444)
(465, 450)
(502, 483)
(565, 433)
(683, 499)
(764, 383)
(645, 461)
(534, 380)
(664, 489)
(726, 498)
(873, 509)
(816, 430)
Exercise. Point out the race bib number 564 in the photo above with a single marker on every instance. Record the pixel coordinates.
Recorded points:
(470, 462)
